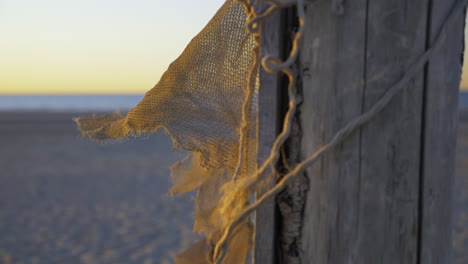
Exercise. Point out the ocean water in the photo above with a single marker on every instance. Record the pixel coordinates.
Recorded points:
(68, 102)
(463, 100)
(91, 102)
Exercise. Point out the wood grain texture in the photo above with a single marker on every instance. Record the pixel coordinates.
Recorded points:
(391, 143)
(440, 128)
(363, 201)
(384, 195)
(268, 129)
(332, 63)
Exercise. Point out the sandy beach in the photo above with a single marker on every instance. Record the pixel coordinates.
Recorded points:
(65, 199)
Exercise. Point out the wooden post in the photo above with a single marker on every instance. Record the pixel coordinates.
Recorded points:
(269, 123)
(439, 137)
(384, 195)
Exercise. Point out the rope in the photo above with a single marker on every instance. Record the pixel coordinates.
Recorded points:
(273, 64)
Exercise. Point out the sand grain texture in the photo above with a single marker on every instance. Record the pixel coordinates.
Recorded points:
(65, 199)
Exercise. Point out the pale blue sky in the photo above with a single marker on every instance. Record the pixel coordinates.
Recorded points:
(94, 46)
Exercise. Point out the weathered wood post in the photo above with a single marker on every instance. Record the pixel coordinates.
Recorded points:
(384, 195)
(269, 123)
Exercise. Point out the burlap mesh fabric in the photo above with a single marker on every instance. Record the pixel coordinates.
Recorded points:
(198, 102)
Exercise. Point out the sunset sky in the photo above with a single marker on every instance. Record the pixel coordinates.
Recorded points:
(94, 46)
(89, 46)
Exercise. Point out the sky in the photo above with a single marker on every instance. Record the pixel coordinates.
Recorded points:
(95, 46)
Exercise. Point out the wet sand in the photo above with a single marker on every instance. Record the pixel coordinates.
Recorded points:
(65, 199)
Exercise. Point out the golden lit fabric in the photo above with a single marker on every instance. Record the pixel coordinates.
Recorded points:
(198, 102)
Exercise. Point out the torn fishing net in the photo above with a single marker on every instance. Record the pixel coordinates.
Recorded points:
(199, 102)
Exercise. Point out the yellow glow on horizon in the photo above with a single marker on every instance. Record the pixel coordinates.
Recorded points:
(94, 47)
(97, 47)
(464, 80)
(73, 78)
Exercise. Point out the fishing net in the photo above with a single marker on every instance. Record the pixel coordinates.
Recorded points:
(199, 102)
